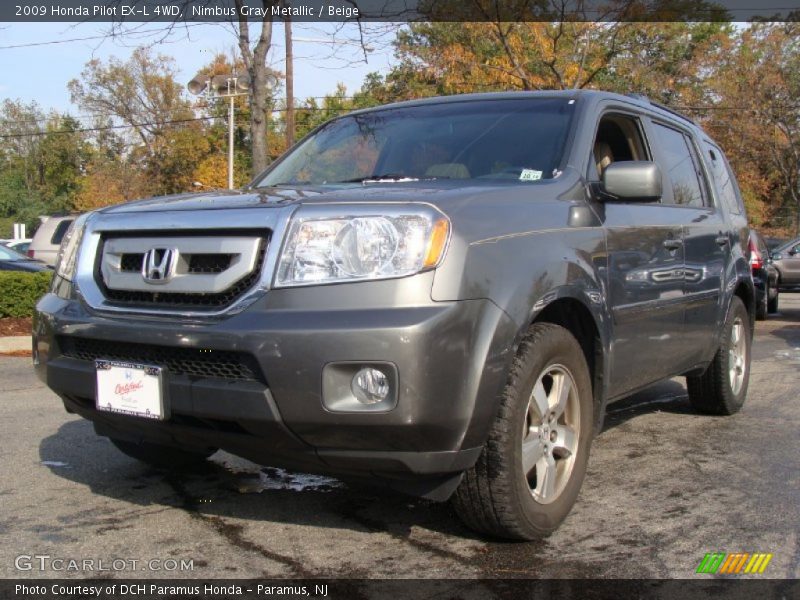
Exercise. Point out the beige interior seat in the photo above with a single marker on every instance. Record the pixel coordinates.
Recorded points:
(603, 156)
(448, 171)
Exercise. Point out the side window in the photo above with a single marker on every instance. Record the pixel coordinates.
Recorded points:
(723, 178)
(619, 138)
(679, 165)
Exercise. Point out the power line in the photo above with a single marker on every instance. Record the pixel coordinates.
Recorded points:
(95, 37)
(105, 128)
(741, 108)
(153, 124)
(59, 116)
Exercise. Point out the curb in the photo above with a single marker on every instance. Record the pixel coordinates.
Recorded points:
(15, 343)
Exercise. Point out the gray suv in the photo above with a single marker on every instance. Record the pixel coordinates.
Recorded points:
(441, 296)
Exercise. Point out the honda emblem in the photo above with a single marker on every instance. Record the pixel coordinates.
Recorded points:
(159, 265)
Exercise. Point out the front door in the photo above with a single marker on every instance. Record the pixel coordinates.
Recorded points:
(645, 289)
(645, 285)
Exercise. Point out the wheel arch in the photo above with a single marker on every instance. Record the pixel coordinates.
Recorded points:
(583, 318)
(746, 291)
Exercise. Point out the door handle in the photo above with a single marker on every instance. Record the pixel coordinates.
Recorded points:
(673, 244)
(722, 240)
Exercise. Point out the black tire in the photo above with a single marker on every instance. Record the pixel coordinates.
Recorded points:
(772, 303)
(163, 457)
(762, 304)
(712, 392)
(495, 497)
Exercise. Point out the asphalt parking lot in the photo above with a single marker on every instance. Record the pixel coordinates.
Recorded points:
(664, 487)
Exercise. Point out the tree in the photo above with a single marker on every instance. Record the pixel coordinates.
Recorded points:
(41, 161)
(64, 154)
(254, 55)
(446, 58)
(108, 182)
(165, 138)
(756, 84)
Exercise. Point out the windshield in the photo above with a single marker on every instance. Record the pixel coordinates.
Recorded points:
(519, 139)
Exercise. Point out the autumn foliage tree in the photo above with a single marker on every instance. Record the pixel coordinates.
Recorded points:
(756, 84)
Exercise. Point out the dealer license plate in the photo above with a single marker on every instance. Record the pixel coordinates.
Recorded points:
(130, 389)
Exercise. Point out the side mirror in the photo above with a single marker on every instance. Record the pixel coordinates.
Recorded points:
(632, 181)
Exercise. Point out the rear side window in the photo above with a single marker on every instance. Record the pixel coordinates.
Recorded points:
(61, 229)
(724, 179)
(678, 163)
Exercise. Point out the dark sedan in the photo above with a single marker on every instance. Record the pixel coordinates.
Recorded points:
(765, 276)
(14, 261)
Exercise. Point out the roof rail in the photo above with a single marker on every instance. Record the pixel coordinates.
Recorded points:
(640, 97)
(672, 111)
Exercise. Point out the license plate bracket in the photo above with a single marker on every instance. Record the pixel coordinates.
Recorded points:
(131, 389)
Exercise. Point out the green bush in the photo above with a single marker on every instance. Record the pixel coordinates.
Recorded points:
(19, 292)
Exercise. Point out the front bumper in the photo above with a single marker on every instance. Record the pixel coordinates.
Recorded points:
(451, 359)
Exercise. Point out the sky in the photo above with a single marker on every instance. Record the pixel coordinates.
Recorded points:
(41, 72)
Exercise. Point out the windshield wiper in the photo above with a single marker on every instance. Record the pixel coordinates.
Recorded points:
(386, 177)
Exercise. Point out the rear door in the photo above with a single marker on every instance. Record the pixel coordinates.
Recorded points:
(706, 237)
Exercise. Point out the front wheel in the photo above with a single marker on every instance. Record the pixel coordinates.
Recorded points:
(722, 388)
(532, 466)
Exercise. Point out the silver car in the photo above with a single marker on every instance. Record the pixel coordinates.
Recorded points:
(786, 259)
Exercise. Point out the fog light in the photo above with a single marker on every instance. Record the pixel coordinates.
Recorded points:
(370, 386)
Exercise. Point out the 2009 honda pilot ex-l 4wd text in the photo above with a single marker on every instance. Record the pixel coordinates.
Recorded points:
(441, 295)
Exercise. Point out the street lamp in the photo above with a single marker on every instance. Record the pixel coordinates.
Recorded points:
(229, 85)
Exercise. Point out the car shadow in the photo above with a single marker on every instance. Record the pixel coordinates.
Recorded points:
(667, 396)
(226, 487)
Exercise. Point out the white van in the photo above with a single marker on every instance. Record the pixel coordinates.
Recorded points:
(47, 239)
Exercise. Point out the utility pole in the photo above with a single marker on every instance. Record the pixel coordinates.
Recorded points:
(287, 28)
(231, 111)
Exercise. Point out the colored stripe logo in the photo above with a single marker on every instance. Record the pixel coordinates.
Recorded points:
(734, 564)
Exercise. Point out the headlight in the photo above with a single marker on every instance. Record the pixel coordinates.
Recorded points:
(70, 244)
(336, 244)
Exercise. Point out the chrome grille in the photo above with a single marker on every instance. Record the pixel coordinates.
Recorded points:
(211, 270)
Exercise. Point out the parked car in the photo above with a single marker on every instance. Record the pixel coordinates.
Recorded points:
(786, 259)
(47, 239)
(417, 295)
(20, 246)
(11, 260)
(765, 276)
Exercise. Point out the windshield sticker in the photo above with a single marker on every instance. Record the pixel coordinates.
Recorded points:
(530, 175)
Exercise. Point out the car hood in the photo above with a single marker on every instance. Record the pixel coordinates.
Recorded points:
(442, 193)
